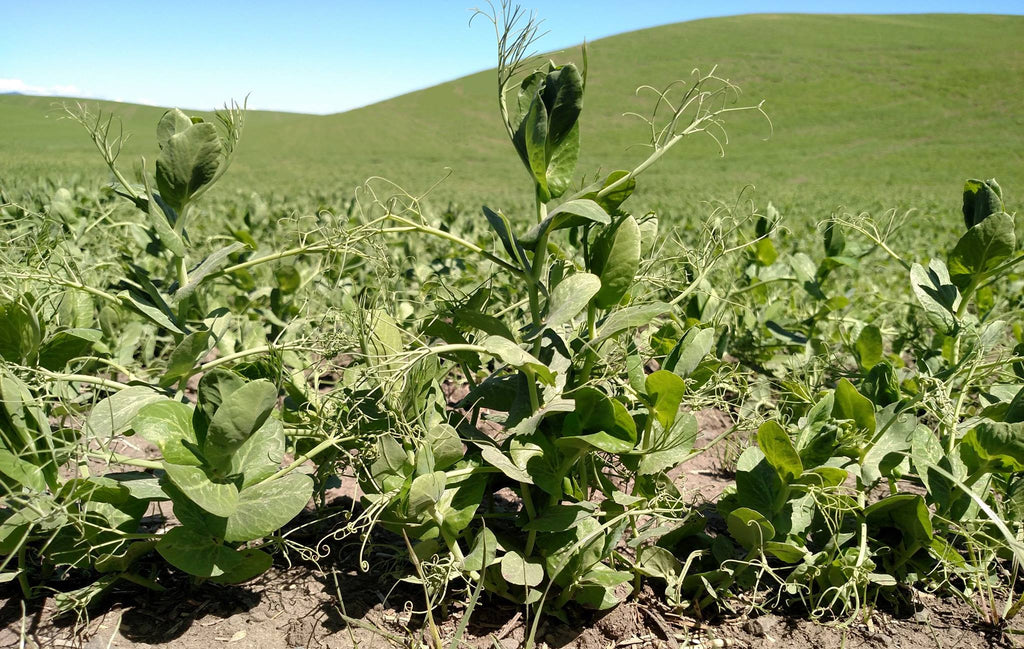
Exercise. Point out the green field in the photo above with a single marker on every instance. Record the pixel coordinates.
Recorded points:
(578, 375)
(869, 112)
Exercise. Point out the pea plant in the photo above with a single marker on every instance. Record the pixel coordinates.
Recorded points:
(210, 406)
(559, 412)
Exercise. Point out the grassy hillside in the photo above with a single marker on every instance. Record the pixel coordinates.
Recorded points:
(869, 112)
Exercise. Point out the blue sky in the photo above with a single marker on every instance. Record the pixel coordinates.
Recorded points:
(317, 57)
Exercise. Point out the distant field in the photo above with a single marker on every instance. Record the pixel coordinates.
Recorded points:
(870, 112)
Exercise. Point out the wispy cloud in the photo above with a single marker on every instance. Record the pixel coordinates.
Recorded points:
(17, 85)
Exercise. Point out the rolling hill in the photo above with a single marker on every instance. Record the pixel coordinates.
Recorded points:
(869, 112)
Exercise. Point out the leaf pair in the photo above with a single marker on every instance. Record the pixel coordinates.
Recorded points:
(547, 135)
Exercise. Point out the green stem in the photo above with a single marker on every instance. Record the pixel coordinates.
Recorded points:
(83, 378)
(448, 236)
(302, 459)
(117, 458)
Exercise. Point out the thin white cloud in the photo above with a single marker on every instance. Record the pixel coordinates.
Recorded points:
(17, 85)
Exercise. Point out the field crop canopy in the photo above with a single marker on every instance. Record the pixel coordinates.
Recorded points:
(516, 396)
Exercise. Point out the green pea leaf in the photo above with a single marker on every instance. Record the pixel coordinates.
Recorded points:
(749, 528)
(778, 449)
(237, 418)
(665, 391)
(168, 425)
(253, 564)
(570, 214)
(186, 354)
(268, 506)
(65, 345)
(982, 248)
(869, 347)
(850, 404)
(260, 456)
(691, 349)
(515, 356)
(197, 554)
(936, 293)
(570, 297)
(188, 161)
(1000, 443)
(981, 198)
(484, 551)
(114, 414)
(426, 491)
(615, 258)
(219, 499)
(517, 570)
(629, 318)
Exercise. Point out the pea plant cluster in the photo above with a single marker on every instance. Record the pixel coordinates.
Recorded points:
(513, 396)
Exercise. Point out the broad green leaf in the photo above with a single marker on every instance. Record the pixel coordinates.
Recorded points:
(908, 513)
(114, 415)
(253, 564)
(426, 491)
(757, 482)
(936, 293)
(214, 389)
(598, 587)
(615, 259)
(197, 554)
(691, 349)
(483, 552)
(850, 404)
(540, 459)
(383, 341)
(531, 142)
(982, 248)
(558, 518)
(981, 199)
(459, 503)
(188, 160)
(788, 552)
(665, 392)
(888, 450)
(260, 456)
(445, 445)
(172, 122)
(562, 163)
(778, 449)
(629, 318)
(186, 354)
(19, 333)
(520, 571)
(570, 297)
(514, 355)
(749, 527)
(241, 414)
(570, 214)
(562, 94)
(24, 473)
(1001, 444)
(268, 506)
(656, 561)
(648, 235)
(869, 347)
(168, 425)
(216, 498)
(65, 345)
